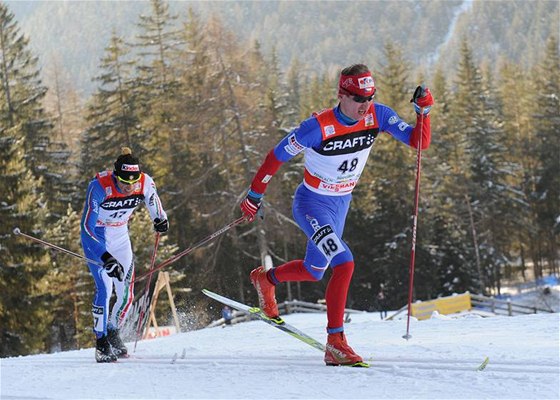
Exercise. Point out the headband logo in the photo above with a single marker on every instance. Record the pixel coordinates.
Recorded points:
(366, 82)
(347, 83)
(130, 168)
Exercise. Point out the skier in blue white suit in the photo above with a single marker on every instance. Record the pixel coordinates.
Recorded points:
(112, 197)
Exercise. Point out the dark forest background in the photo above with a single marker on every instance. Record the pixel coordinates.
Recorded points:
(201, 102)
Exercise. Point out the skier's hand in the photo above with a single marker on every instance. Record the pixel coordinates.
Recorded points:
(112, 266)
(422, 98)
(161, 225)
(251, 205)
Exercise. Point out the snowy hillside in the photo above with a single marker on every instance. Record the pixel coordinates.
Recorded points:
(255, 361)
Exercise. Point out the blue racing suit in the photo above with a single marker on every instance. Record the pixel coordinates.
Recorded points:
(104, 228)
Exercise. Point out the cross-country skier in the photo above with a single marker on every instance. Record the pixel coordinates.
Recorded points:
(336, 143)
(112, 197)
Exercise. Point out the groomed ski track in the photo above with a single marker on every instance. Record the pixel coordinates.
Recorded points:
(252, 361)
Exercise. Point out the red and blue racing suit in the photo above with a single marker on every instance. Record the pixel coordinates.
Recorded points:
(335, 150)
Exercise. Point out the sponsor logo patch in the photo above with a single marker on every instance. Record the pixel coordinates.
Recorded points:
(321, 233)
(366, 83)
(339, 187)
(347, 83)
(369, 120)
(329, 130)
(348, 144)
(120, 204)
(95, 206)
(293, 147)
(130, 168)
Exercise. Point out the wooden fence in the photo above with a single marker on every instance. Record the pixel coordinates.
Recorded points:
(505, 307)
(422, 309)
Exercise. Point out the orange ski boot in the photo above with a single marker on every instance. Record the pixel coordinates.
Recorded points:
(338, 352)
(265, 290)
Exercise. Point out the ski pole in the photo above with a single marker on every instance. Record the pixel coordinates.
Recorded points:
(190, 249)
(143, 308)
(414, 225)
(18, 232)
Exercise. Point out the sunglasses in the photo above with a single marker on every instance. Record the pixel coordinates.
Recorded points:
(362, 99)
(128, 182)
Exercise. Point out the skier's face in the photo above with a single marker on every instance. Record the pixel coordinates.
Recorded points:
(125, 187)
(354, 107)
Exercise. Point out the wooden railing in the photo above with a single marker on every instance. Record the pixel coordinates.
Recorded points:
(490, 304)
(495, 306)
(505, 307)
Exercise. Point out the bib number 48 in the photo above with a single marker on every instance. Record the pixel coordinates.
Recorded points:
(348, 165)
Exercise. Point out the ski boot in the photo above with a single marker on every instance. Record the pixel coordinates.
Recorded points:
(265, 290)
(103, 352)
(119, 349)
(338, 352)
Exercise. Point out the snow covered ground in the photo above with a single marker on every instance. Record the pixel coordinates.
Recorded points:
(255, 361)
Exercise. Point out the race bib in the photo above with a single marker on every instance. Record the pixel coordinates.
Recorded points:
(97, 318)
(327, 242)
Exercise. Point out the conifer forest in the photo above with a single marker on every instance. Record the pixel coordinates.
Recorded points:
(201, 108)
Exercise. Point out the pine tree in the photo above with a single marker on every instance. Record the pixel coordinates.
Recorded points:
(521, 159)
(240, 95)
(112, 114)
(466, 271)
(485, 201)
(294, 83)
(25, 171)
(547, 188)
(156, 83)
(162, 101)
(491, 172)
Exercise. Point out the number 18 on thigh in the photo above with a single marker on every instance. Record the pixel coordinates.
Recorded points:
(327, 242)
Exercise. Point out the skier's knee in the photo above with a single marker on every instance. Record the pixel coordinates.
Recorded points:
(316, 273)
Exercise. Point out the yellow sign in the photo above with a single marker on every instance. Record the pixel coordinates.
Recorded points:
(443, 305)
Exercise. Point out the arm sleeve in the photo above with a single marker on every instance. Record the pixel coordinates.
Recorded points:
(426, 132)
(91, 242)
(265, 173)
(306, 135)
(390, 122)
(153, 202)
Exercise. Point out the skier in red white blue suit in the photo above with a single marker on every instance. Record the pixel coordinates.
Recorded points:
(336, 143)
(112, 197)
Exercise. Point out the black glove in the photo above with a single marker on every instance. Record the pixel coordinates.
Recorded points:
(161, 226)
(112, 266)
(422, 98)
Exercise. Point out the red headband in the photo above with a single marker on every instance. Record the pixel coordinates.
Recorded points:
(360, 85)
